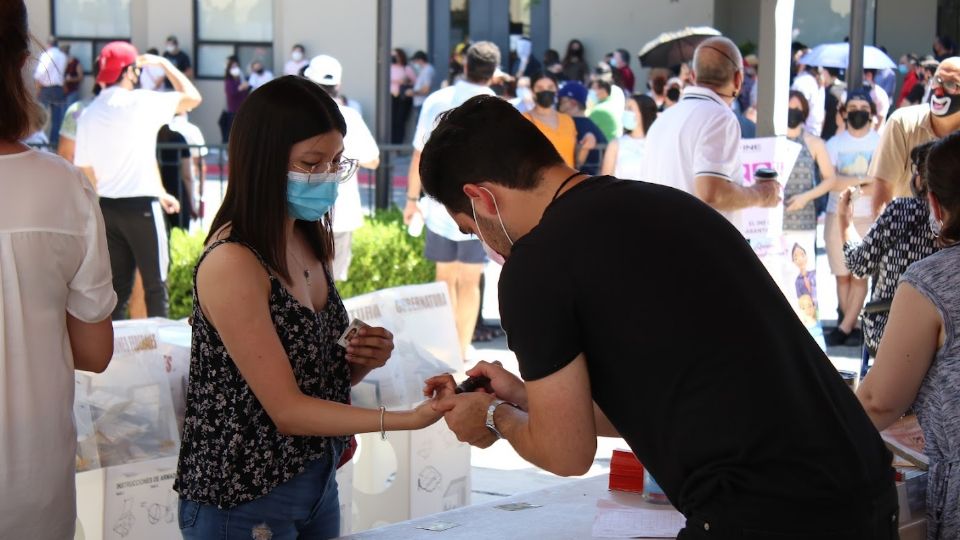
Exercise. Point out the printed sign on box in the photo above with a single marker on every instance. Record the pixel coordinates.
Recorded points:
(411, 474)
(779, 154)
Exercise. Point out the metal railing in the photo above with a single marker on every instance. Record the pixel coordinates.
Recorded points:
(209, 165)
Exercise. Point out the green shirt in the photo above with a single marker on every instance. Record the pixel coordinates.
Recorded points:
(68, 128)
(608, 120)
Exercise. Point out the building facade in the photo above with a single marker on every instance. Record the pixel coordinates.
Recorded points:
(210, 30)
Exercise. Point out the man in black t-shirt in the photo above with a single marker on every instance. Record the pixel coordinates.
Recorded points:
(178, 58)
(636, 310)
(176, 172)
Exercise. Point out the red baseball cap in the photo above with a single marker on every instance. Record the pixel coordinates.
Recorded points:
(115, 56)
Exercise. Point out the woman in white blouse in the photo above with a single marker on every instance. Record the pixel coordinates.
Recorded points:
(56, 296)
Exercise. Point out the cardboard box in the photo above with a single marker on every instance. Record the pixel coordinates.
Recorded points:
(411, 474)
(137, 501)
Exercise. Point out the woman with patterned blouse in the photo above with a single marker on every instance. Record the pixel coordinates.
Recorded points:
(918, 364)
(900, 237)
(268, 413)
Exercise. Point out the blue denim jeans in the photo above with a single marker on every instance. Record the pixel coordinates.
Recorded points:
(307, 507)
(53, 98)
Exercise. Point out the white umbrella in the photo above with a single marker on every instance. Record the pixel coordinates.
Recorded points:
(837, 55)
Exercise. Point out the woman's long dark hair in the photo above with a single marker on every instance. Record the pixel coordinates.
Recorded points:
(648, 111)
(943, 170)
(571, 55)
(278, 115)
(18, 109)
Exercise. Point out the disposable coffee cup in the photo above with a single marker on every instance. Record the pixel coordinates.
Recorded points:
(764, 174)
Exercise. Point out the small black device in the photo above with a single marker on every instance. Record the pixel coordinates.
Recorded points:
(472, 383)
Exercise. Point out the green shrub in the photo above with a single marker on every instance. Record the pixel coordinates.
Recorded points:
(384, 256)
(185, 251)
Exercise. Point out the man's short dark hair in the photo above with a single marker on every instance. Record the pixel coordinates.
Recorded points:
(604, 85)
(173, 39)
(331, 90)
(484, 140)
(483, 57)
(420, 55)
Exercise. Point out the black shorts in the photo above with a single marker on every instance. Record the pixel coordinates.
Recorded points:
(443, 250)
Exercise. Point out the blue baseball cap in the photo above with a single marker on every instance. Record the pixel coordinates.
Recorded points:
(574, 90)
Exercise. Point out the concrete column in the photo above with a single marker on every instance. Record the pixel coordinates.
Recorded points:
(858, 28)
(490, 21)
(776, 32)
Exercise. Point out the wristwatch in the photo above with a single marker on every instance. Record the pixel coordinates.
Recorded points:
(491, 425)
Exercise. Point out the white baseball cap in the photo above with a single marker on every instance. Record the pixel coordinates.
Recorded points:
(325, 70)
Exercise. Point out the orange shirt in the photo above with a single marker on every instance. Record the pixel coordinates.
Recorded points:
(564, 137)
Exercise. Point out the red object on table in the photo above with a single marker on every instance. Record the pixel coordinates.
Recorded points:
(626, 472)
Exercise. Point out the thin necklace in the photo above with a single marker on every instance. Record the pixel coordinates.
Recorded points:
(306, 271)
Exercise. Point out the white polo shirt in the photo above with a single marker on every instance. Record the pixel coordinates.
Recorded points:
(117, 137)
(359, 144)
(435, 216)
(699, 136)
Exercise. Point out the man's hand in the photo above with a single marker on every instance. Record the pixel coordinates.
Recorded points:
(169, 203)
(151, 60)
(466, 416)
(503, 384)
(769, 192)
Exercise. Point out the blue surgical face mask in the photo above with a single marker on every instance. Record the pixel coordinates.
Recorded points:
(903, 69)
(310, 196)
(629, 120)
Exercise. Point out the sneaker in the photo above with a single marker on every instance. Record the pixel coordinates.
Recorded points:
(837, 337)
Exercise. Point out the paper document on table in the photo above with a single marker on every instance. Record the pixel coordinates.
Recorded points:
(618, 521)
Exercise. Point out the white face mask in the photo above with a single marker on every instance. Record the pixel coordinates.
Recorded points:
(296, 56)
(936, 226)
(170, 48)
(493, 254)
(235, 71)
(629, 120)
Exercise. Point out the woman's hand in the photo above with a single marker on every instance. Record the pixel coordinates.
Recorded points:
(796, 203)
(371, 348)
(845, 212)
(424, 415)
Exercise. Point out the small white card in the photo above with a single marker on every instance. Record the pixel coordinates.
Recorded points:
(351, 332)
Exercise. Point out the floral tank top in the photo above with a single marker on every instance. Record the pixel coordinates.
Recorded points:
(231, 451)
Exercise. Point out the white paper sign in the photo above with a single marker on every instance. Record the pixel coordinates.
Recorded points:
(779, 154)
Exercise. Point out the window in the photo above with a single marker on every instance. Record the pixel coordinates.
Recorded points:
(88, 25)
(243, 28)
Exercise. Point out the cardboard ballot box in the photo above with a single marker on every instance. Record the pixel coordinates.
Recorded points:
(411, 474)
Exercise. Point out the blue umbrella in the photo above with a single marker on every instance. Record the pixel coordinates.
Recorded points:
(837, 55)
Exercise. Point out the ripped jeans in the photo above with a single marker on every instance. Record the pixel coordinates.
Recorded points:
(306, 507)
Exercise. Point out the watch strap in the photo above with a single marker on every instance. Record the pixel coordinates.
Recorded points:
(491, 425)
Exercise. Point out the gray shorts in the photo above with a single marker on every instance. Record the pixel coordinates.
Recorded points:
(443, 250)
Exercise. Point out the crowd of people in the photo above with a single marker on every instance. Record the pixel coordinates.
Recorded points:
(509, 164)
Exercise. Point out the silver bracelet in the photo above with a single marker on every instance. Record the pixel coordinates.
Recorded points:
(383, 434)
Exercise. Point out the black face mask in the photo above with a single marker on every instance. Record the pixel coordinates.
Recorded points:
(673, 94)
(545, 98)
(858, 119)
(794, 118)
